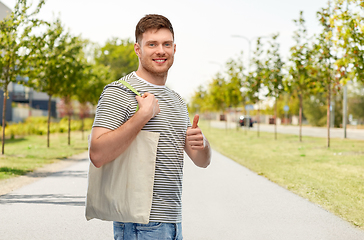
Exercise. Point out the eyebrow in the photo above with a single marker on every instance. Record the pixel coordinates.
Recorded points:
(154, 41)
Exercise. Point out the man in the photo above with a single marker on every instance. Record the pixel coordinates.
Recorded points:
(160, 110)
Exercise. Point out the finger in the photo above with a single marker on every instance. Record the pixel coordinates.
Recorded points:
(195, 121)
(146, 94)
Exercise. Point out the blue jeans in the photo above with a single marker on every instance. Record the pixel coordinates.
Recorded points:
(150, 231)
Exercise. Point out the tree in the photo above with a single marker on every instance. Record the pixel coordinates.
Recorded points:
(217, 89)
(299, 80)
(274, 76)
(324, 59)
(287, 100)
(119, 56)
(50, 63)
(233, 93)
(254, 81)
(199, 101)
(217, 94)
(73, 74)
(90, 86)
(348, 19)
(15, 47)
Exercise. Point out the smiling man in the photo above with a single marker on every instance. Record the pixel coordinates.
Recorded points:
(161, 110)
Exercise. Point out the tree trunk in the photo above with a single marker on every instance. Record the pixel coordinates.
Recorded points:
(69, 128)
(82, 126)
(258, 120)
(300, 116)
(246, 121)
(49, 118)
(4, 117)
(226, 123)
(328, 114)
(235, 118)
(275, 119)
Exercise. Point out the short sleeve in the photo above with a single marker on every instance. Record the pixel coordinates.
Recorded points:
(113, 108)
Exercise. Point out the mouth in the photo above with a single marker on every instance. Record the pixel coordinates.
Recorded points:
(159, 60)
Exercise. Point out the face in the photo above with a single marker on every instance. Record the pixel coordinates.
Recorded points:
(156, 52)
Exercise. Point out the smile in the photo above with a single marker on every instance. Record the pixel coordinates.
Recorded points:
(159, 60)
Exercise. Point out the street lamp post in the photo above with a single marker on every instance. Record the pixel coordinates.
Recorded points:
(249, 50)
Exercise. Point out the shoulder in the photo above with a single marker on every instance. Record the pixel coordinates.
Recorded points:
(117, 88)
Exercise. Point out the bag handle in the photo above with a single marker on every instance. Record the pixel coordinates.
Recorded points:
(126, 84)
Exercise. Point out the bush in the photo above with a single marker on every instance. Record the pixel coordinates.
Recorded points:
(38, 126)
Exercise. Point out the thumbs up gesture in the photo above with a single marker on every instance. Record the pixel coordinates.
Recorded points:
(194, 136)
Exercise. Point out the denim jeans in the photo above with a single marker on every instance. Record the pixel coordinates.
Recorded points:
(150, 231)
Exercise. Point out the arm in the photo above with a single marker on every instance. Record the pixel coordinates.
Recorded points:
(108, 144)
(197, 147)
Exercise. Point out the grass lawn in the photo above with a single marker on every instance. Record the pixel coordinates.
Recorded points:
(332, 178)
(23, 155)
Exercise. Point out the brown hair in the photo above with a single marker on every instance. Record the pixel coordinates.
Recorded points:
(152, 21)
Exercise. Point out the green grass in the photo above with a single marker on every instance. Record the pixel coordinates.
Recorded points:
(332, 178)
(26, 154)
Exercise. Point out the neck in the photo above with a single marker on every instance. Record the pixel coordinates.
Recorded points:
(154, 78)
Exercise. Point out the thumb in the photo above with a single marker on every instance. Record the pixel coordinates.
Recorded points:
(195, 121)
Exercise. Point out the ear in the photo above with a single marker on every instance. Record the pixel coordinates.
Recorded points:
(137, 49)
(174, 48)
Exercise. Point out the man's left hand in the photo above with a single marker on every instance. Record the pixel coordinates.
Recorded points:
(194, 136)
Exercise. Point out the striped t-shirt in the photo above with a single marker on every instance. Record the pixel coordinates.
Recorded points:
(117, 104)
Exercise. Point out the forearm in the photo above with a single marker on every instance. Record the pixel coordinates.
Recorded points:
(106, 145)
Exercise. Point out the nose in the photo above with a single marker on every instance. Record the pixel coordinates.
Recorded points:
(160, 50)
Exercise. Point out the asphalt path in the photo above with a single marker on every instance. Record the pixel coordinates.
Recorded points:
(224, 201)
(351, 133)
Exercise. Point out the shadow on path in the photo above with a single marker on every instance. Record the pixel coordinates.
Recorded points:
(56, 199)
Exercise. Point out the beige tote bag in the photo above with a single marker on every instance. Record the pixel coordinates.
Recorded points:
(122, 190)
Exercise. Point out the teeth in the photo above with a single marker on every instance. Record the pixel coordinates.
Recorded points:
(159, 61)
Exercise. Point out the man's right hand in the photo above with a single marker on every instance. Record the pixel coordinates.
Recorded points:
(148, 105)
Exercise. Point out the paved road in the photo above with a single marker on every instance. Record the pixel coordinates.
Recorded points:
(306, 131)
(224, 201)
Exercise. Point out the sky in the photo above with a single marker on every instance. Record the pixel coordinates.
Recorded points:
(203, 28)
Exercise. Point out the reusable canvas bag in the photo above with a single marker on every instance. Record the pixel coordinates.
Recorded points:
(122, 190)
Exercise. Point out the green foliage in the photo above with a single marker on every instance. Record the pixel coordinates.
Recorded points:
(315, 110)
(273, 71)
(119, 56)
(254, 81)
(199, 101)
(16, 41)
(52, 59)
(16, 45)
(38, 126)
(300, 67)
(291, 101)
(217, 89)
(233, 94)
(95, 77)
(348, 19)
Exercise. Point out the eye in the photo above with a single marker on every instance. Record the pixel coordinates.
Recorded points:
(151, 44)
